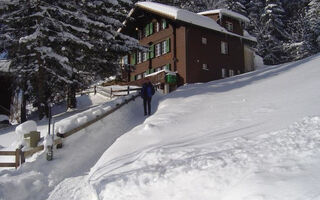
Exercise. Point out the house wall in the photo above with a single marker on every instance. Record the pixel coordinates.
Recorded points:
(210, 54)
(237, 28)
(162, 60)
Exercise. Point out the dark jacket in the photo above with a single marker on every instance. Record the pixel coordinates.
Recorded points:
(147, 90)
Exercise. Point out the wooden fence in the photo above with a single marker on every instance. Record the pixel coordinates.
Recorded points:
(21, 155)
(19, 158)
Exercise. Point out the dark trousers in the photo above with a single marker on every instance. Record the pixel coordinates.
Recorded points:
(147, 105)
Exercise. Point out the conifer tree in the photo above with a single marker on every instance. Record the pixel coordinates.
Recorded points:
(52, 43)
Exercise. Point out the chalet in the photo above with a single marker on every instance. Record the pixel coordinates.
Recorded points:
(186, 47)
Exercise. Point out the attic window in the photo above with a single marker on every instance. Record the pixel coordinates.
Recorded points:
(205, 67)
(229, 26)
(224, 47)
(204, 40)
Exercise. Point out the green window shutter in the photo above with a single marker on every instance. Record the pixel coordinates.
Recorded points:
(132, 78)
(148, 56)
(148, 30)
(168, 45)
(133, 59)
(151, 71)
(151, 28)
(151, 51)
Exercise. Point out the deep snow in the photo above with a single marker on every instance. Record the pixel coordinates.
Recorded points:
(255, 136)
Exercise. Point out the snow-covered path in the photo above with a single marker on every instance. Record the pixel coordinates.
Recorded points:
(79, 153)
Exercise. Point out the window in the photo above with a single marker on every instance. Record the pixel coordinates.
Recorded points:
(163, 47)
(223, 73)
(204, 40)
(158, 49)
(138, 76)
(139, 60)
(157, 26)
(231, 72)
(125, 60)
(164, 24)
(229, 26)
(144, 56)
(139, 34)
(224, 48)
(205, 67)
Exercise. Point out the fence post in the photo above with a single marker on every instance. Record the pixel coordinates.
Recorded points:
(17, 158)
(111, 93)
(128, 90)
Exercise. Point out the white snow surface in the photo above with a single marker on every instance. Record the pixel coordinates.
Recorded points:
(227, 13)
(5, 65)
(4, 117)
(254, 136)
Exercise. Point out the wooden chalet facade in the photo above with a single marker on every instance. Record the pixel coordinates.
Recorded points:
(197, 47)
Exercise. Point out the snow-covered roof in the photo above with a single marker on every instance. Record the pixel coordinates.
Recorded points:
(5, 65)
(181, 15)
(185, 16)
(227, 13)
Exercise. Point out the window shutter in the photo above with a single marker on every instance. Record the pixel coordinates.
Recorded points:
(133, 59)
(148, 30)
(132, 78)
(151, 71)
(168, 45)
(151, 28)
(148, 55)
(151, 51)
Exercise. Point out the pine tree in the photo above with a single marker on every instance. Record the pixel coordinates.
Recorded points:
(273, 35)
(52, 43)
(313, 20)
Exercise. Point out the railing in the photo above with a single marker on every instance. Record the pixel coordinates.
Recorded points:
(21, 155)
(19, 158)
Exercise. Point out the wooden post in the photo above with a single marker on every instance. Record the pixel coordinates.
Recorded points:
(17, 158)
(128, 90)
(111, 93)
(23, 160)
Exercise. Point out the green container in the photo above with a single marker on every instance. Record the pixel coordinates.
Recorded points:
(171, 79)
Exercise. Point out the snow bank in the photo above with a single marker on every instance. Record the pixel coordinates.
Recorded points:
(3, 118)
(87, 116)
(26, 127)
(233, 170)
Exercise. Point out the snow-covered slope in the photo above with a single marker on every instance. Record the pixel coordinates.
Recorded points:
(251, 137)
(255, 136)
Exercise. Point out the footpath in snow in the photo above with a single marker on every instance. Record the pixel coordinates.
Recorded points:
(255, 136)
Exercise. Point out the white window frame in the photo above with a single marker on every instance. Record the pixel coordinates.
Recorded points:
(158, 50)
(139, 57)
(125, 60)
(204, 40)
(139, 76)
(157, 26)
(229, 26)
(144, 56)
(224, 48)
(231, 72)
(205, 67)
(163, 22)
(164, 47)
(223, 73)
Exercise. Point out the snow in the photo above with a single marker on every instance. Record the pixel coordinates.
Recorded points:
(3, 118)
(227, 13)
(5, 65)
(254, 136)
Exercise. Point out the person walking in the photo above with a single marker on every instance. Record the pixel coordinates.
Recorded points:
(147, 91)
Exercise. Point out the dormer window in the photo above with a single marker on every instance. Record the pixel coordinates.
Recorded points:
(229, 26)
